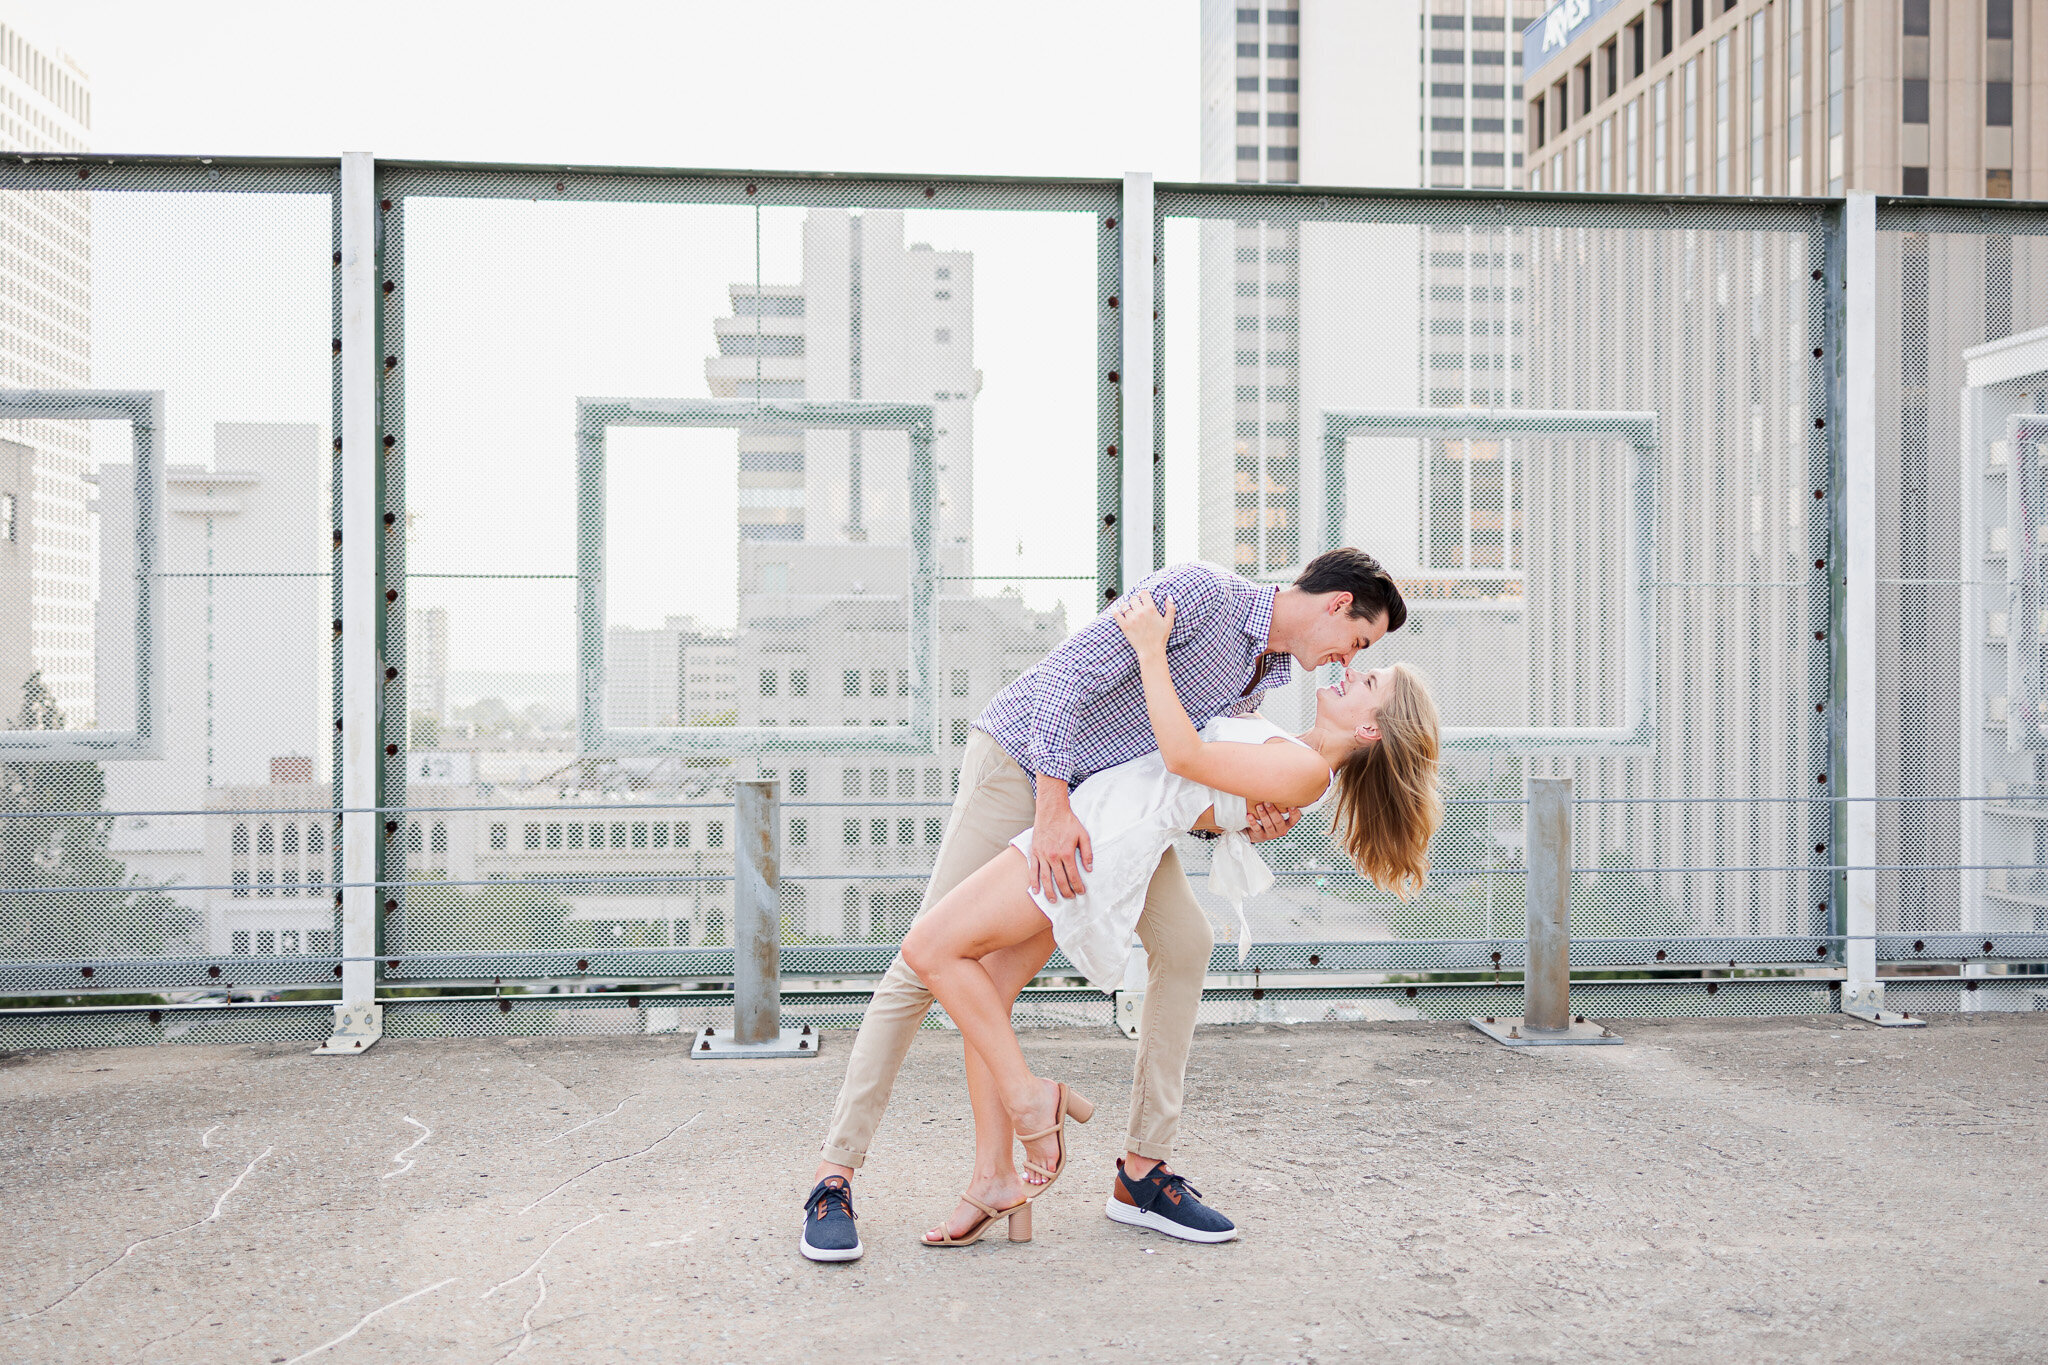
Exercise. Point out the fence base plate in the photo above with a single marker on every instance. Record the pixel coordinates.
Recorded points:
(1885, 1018)
(717, 1044)
(1511, 1033)
(356, 1030)
(1130, 1013)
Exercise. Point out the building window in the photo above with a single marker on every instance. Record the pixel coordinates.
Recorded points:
(1699, 17)
(1536, 123)
(265, 841)
(851, 829)
(240, 891)
(1912, 180)
(1838, 159)
(576, 836)
(799, 833)
(906, 833)
(1636, 51)
(263, 880)
(959, 688)
(1607, 156)
(878, 682)
(959, 735)
(238, 943)
(1582, 155)
(1610, 67)
(1631, 145)
(1724, 114)
(931, 784)
(1997, 104)
(497, 836)
(1795, 97)
(800, 782)
(767, 682)
(1997, 184)
(1665, 36)
(878, 832)
(902, 682)
(1586, 88)
(1660, 135)
(1759, 87)
(878, 783)
(906, 784)
(661, 835)
(1689, 125)
(554, 836)
(799, 682)
(1560, 99)
(619, 837)
(440, 836)
(849, 782)
(239, 840)
(639, 834)
(682, 834)
(934, 832)
(531, 838)
(714, 834)
(851, 680)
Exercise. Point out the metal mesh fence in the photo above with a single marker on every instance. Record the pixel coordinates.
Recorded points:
(167, 387)
(1443, 381)
(689, 478)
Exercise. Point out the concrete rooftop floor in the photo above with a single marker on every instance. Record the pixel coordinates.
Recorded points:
(1726, 1190)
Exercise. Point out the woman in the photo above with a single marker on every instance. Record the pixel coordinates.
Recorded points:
(1374, 742)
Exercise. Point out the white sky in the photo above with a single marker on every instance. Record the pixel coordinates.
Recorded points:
(1086, 90)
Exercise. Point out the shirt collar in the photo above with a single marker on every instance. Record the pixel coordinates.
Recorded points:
(1258, 613)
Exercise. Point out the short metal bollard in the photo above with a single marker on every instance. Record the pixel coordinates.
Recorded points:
(756, 938)
(1547, 978)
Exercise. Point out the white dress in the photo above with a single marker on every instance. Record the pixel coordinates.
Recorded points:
(1132, 813)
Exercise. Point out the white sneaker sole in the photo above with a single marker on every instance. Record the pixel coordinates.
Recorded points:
(1120, 1212)
(812, 1253)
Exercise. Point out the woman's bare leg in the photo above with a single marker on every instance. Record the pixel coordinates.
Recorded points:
(988, 912)
(996, 1181)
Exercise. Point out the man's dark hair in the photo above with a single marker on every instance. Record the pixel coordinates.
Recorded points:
(1354, 571)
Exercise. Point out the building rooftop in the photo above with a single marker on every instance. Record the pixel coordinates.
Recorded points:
(1755, 1189)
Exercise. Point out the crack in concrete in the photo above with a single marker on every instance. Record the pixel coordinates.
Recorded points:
(139, 1243)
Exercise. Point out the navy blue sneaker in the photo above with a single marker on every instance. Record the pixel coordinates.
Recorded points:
(1165, 1202)
(829, 1233)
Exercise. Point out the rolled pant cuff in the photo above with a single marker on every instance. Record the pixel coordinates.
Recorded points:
(1156, 1151)
(840, 1156)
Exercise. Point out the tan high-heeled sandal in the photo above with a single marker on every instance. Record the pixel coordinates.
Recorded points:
(1018, 1216)
(1071, 1103)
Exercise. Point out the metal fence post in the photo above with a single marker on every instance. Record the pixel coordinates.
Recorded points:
(1862, 992)
(1136, 236)
(358, 1019)
(1547, 976)
(757, 936)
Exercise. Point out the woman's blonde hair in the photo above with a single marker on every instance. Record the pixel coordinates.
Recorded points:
(1388, 808)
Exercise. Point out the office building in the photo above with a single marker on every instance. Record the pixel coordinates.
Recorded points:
(1787, 97)
(872, 320)
(1330, 93)
(677, 673)
(46, 608)
(244, 641)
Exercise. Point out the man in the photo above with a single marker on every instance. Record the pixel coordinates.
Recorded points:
(1079, 711)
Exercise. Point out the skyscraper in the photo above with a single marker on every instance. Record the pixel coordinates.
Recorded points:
(1330, 93)
(1787, 97)
(46, 612)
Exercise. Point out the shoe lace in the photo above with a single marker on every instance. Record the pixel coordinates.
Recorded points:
(832, 1194)
(1169, 1181)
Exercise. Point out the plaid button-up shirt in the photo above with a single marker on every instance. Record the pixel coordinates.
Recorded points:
(1081, 709)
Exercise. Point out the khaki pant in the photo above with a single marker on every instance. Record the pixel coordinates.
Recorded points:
(994, 806)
